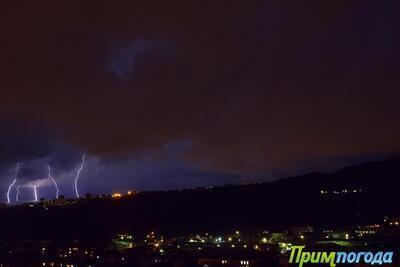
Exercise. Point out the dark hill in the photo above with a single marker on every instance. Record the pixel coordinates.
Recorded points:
(358, 194)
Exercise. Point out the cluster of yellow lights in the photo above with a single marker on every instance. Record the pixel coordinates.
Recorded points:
(118, 195)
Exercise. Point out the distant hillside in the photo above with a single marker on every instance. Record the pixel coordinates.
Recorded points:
(357, 194)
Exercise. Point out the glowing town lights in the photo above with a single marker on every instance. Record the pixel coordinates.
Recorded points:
(129, 192)
(116, 195)
(264, 240)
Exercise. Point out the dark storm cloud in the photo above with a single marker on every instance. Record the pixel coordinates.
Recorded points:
(163, 169)
(256, 87)
(124, 59)
(19, 142)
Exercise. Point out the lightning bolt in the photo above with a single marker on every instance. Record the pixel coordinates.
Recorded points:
(35, 192)
(54, 182)
(9, 189)
(12, 184)
(17, 195)
(78, 173)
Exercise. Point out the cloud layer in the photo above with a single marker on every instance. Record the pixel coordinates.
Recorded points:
(255, 87)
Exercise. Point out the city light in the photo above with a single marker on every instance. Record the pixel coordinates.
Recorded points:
(116, 195)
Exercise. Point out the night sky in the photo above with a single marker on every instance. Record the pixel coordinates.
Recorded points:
(173, 94)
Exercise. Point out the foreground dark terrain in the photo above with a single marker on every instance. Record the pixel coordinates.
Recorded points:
(360, 194)
(355, 208)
